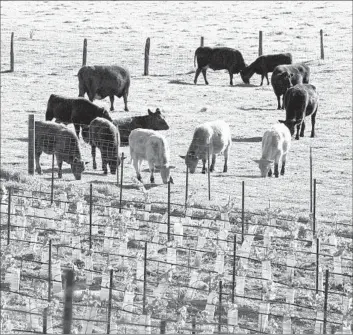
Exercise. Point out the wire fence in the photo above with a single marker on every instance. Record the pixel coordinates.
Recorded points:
(152, 269)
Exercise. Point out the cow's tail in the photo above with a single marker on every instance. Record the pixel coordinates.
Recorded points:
(195, 58)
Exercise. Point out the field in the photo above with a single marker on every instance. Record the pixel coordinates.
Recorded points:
(48, 53)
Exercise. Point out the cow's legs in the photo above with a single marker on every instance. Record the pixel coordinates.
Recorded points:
(37, 156)
(313, 116)
(302, 129)
(151, 166)
(77, 129)
(136, 164)
(204, 75)
(298, 130)
(111, 97)
(226, 152)
(213, 163)
(266, 74)
(279, 101)
(60, 164)
(93, 152)
(125, 101)
(269, 173)
(198, 71)
(262, 79)
(283, 101)
(104, 155)
(283, 164)
(203, 166)
(231, 78)
(276, 170)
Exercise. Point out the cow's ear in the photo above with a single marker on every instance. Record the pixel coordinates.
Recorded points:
(158, 111)
(86, 163)
(171, 180)
(257, 161)
(183, 157)
(150, 112)
(281, 121)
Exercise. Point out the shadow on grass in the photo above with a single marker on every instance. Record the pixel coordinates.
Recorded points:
(21, 139)
(257, 109)
(180, 82)
(247, 139)
(6, 71)
(249, 176)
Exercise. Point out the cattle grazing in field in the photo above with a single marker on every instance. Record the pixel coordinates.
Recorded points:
(105, 136)
(153, 121)
(78, 111)
(218, 59)
(209, 139)
(53, 138)
(264, 64)
(149, 145)
(285, 76)
(300, 101)
(103, 81)
(275, 146)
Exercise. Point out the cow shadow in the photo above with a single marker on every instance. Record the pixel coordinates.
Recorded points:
(179, 82)
(242, 85)
(252, 176)
(114, 183)
(6, 71)
(256, 109)
(21, 139)
(248, 139)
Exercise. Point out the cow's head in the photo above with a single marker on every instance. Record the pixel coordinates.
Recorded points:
(191, 161)
(165, 174)
(106, 115)
(157, 120)
(85, 134)
(114, 163)
(264, 166)
(77, 167)
(245, 76)
(290, 124)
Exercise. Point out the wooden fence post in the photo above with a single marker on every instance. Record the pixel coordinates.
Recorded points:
(147, 56)
(12, 55)
(168, 231)
(242, 210)
(322, 44)
(163, 326)
(260, 43)
(311, 180)
(90, 215)
(52, 181)
(84, 57)
(9, 217)
(68, 302)
(202, 41)
(121, 181)
(31, 144)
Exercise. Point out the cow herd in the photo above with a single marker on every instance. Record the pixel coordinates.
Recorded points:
(291, 81)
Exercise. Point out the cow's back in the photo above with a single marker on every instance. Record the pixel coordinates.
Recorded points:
(102, 131)
(60, 108)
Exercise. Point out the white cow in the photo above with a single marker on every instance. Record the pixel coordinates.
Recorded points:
(149, 145)
(275, 146)
(210, 138)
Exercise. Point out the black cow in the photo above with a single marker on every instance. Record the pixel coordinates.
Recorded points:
(55, 138)
(263, 65)
(218, 59)
(102, 81)
(300, 101)
(154, 121)
(78, 111)
(285, 76)
(104, 135)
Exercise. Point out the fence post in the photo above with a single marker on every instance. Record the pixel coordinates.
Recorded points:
(110, 300)
(242, 210)
(220, 308)
(52, 181)
(49, 273)
(9, 217)
(45, 320)
(314, 209)
(12, 55)
(90, 215)
(208, 173)
(144, 281)
(168, 210)
(121, 181)
(322, 44)
(163, 326)
(31, 144)
(234, 268)
(317, 264)
(311, 180)
(202, 41)
(186, 187)
(193, 325)
(147, 56)
(325, 301)
(260, 43)
(68, 302)
(84, 57)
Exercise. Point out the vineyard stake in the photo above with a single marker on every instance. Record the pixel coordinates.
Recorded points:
(163, 326)
(260, 43)
(9, 217)
(325, 301)
(186, 187)
(52, 181)
(234, 269)
(220, 308)
(322, 44)
(90, 216)
(49, 273)
(68, 302)
(311, 180)
(45, 319)
(31, 144)
(121, 181)
(84, 57)
(168, 210)
(193, 323)
(202, 41)
(242, 210)
(12, 55)
(147, 56)
(208, 173)
(314, 212)
(317, 264)
(144, 281)
(110, 301)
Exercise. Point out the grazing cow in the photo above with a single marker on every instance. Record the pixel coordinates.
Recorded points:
(154, 121)
(146, 144)
(53, 138)
(263, 65)
(218, 59)
(285, 76)
(102, 81)
(300, 101)
(275, 147)
(104, 135)
(78, 111)
(210, 138)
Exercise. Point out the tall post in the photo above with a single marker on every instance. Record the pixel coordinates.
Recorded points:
(9, 217)
(144, 281)
(317, 264)
(220, 308)
(208, 173)
(325, 300)
(68, 302)
(49, 273)
(31, 144)
(202, 41)
(147, 56)
(311, 180)
(121, 181)
(186, 187)
(84, 56)
(12, 55)
(110, 300)
(193, 325)
(260, 43)
(45, 320)
(322, 44)
(234, 267)
(163, 326)
(242, 210)
(52, 180)
(90, 215)
(314, 209)
(168, 210)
